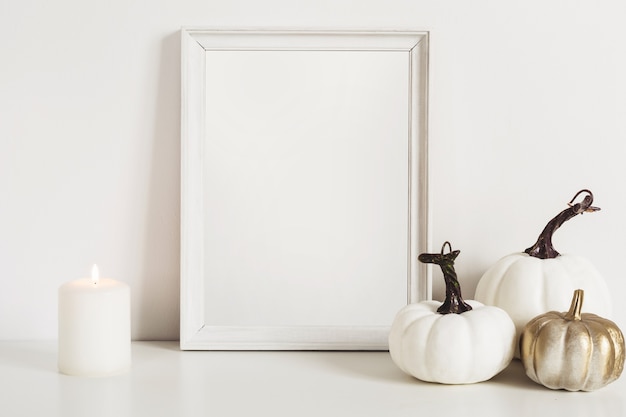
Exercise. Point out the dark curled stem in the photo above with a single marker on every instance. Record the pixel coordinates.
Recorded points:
(454, 302)
(543, 248)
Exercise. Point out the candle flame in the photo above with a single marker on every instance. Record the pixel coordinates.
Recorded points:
(95, 274)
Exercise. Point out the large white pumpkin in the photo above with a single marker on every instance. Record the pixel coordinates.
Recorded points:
(525, 286)
(457, 342)
(452, 348)
(540, 279)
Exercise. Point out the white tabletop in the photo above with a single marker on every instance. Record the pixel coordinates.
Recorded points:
(165, 381)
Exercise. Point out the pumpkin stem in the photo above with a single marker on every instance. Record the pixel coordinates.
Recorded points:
(577, 305)
(453, 303)
(543, 248)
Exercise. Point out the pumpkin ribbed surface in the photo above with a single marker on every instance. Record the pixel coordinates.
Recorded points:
(451, 348)
(575, 355)
(525, 286)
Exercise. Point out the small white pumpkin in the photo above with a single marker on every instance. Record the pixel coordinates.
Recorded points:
(456, 342)
(539, 280)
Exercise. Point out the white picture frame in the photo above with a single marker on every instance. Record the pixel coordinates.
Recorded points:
(206, 204)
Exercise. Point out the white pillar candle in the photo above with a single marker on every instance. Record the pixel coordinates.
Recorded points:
(94, 327)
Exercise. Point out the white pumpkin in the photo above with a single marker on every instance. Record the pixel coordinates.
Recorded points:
(456, 342)
(525, 286)
(540, 279)
(452, 348)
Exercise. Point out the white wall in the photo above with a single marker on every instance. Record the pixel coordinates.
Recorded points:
(527, 106)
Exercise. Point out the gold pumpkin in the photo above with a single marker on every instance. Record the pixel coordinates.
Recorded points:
(572, 351)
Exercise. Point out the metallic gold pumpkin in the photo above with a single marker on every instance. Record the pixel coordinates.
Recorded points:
(572, 351)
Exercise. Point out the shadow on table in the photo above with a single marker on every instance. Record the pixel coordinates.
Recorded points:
(371, 365)
(32, 356)
(379, 365)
